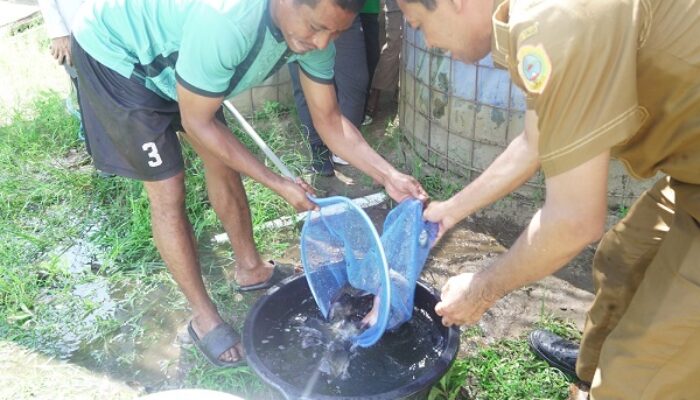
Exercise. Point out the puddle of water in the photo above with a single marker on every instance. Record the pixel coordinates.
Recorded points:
(78, 258)
(72, 322)
(71, 314)
(145, 351)
(96, 295)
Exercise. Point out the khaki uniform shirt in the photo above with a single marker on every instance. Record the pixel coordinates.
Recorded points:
(608, 74)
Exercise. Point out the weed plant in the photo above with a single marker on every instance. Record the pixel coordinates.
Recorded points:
(505, 370)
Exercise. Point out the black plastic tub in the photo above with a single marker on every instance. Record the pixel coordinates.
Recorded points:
(275, 305)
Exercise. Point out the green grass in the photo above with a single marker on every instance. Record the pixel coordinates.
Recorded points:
(440, 186)
(505, 370)
(51, 203)
(240, 381)
(622, 211)
(508, 370)
(35, 188)
(34, 184)
(392, 144)
(25, 26)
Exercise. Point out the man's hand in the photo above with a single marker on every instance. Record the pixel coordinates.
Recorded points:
(440, 213)
(343, 138)
(465, 298)
(295, 193)
(401, 186)
(60, 50)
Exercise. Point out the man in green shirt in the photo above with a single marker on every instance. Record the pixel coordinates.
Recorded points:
(146, 66)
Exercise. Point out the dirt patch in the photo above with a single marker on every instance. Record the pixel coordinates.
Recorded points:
(29, 374)
(470, 247)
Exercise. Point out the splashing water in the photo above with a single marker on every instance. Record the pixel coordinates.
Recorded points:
(311, 353)
(333, 339)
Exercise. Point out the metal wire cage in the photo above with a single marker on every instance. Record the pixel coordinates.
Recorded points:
(459, 117)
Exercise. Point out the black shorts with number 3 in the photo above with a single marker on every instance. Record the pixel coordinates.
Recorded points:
(131, 131)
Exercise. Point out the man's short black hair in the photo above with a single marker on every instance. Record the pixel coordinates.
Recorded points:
(428, 4)
(348, 5)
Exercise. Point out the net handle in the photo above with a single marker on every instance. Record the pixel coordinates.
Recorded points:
(258, 140)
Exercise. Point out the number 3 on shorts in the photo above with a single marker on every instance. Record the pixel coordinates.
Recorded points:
(152, 150)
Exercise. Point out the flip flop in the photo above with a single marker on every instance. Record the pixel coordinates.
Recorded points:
(217, 342)
(279, 273)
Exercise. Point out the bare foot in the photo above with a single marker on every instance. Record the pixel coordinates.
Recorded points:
(204, 324)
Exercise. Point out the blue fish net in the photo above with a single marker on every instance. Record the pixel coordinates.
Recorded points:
(340, 246)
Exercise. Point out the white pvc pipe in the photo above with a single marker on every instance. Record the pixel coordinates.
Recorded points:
(362, 202)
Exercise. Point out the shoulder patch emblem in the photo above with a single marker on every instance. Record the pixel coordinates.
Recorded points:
(534, 67)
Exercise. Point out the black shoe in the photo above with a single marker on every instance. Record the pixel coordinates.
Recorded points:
(321, 160)
(557, 351)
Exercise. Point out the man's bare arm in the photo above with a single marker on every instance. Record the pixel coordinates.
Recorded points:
(198, 118)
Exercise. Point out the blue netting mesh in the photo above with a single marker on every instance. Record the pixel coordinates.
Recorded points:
(407, 239)
(339, 246)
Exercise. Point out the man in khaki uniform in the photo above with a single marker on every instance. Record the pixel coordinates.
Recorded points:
(603, 78)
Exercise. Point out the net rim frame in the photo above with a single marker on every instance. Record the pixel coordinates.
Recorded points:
(364, 339)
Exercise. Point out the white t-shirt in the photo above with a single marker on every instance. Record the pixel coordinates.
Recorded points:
(58, 16)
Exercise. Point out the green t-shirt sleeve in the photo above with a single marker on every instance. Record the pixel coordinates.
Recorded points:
(318, 65)
(210, 50)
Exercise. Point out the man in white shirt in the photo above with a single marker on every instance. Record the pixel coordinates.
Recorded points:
(58, 17)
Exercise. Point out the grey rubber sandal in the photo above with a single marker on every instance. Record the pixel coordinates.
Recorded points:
(279, 273)
(217, 342)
